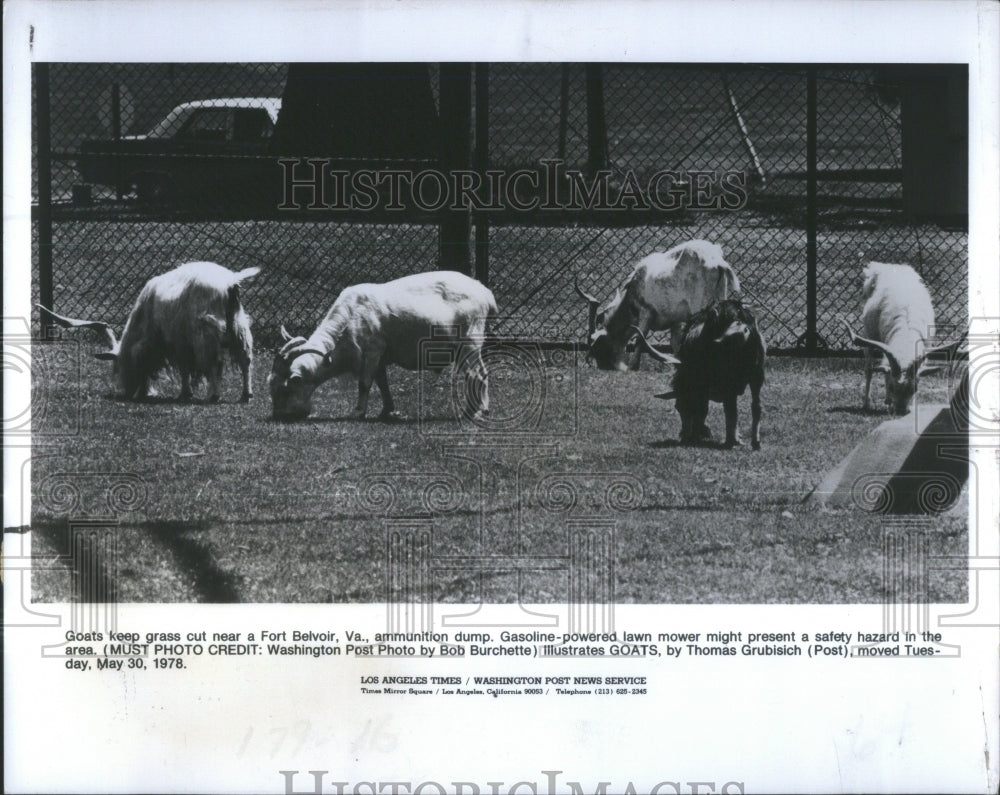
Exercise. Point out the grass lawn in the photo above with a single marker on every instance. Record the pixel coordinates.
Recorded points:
(219, 503)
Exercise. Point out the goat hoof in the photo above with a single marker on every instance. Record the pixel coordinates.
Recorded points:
(246, 397)
(358, 414)
(755, 445)
(182, 398)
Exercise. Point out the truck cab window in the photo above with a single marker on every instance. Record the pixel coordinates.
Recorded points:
(209, 124)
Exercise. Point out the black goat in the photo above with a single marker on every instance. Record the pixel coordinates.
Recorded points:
(721, 353)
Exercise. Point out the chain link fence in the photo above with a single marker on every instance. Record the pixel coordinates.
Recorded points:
(152, 165)
(709, 121)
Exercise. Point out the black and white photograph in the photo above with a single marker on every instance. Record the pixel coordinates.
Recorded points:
(545, 376)
(247, 245)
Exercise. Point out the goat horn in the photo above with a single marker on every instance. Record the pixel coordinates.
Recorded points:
(284, 334)
(290, 346)
(864, 342)
(72, 322)
(666, 358)
(585, 296)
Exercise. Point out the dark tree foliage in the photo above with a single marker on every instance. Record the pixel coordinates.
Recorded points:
(358, 110)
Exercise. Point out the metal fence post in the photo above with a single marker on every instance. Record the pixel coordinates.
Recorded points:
(482, 164)
(537, 113)
(563, 110)
(597, 134)
(811, 337)
(116, 133)
(43, 212)
(456, 128)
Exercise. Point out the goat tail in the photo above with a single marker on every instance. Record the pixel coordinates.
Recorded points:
(727, 284)
(232, 307)
(246, 273)
(238, 336)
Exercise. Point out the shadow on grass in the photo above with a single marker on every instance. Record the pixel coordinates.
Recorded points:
(212, 584)
(192, 557)
(90, 577)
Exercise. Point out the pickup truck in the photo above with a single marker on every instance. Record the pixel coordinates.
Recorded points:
(208, 147)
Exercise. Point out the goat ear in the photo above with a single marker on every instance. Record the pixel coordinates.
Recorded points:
(106, 356)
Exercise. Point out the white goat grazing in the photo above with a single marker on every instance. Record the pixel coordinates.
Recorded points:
(185, 318)
(898, 319)
(663, 291)
(420, 322)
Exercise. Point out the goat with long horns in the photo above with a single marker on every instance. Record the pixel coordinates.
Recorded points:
(186, 319)
(897, 318)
